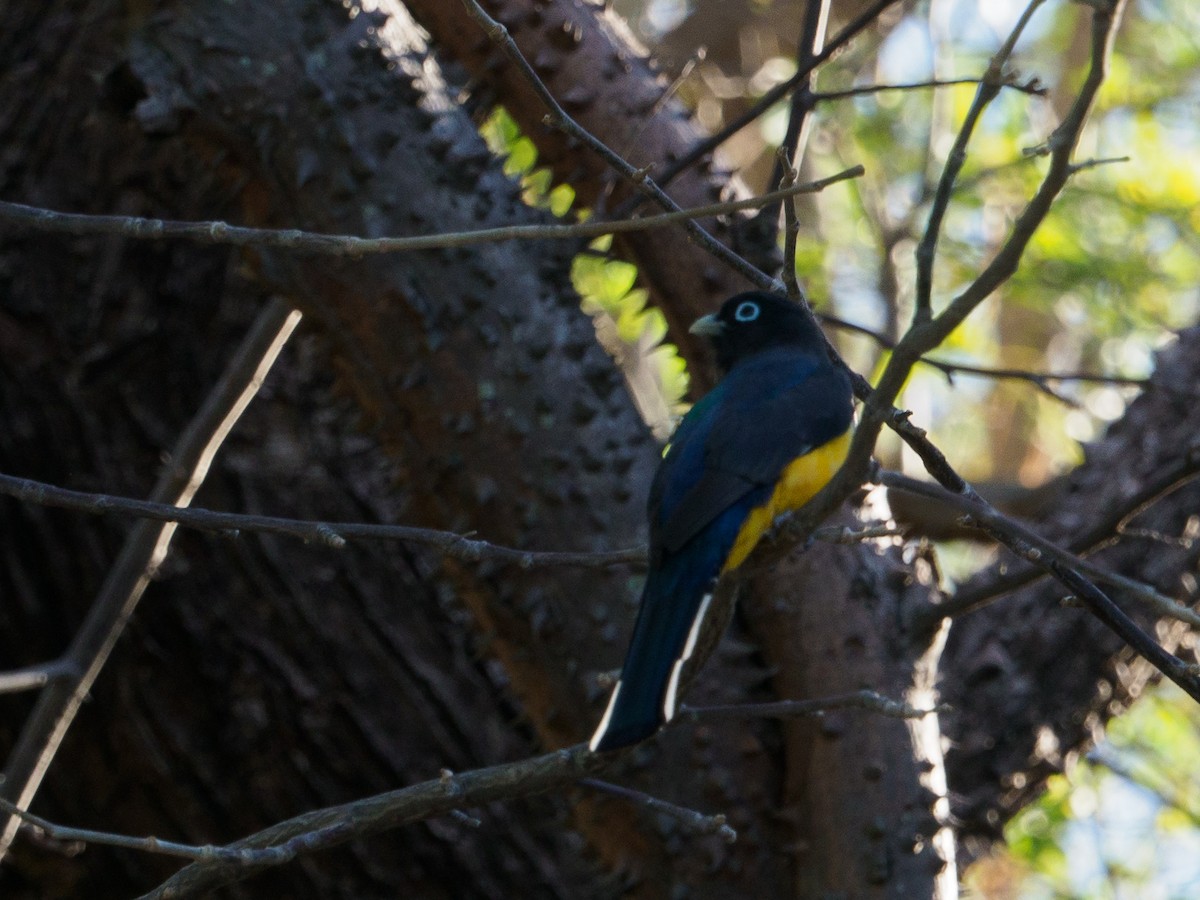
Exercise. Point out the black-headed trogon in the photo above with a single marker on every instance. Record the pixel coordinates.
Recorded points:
(763, 441)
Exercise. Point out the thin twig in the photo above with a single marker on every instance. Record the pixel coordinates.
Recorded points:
(206, 853)
(1039, 380)
(989, 89)
(844, 534)
(34, 677)
(37, 219)
(795, 139)
(1102, 532)
(870, 701)
(143, 552)
(791, 231)
(1032, 86)
(693, 821)
(328, 534)
(1156, 600)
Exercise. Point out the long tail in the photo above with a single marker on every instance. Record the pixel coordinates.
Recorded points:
(674, 603)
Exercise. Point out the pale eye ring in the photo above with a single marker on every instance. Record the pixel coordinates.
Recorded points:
(746, 312)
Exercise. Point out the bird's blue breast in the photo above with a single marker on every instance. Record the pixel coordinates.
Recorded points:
(754, 384)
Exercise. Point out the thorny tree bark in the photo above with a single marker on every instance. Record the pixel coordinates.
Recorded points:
(1031, 682)
(364, 677)
(586, 56)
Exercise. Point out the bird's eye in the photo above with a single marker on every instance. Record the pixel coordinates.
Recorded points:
(746, 312)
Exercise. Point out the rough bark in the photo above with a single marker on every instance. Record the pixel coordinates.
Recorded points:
(863, 794)
(262, 678)
(1032, 682)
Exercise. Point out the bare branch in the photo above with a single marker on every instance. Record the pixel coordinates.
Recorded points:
(207, 853)
(36, 219)
(693, 822)
(795, 140)
(843, 534)
(143, 552)
(34, 677)
(324, 828)
(989, 89)
(1040, 380)
(1033, 86)
(328, 534)
(787, 709)
(1102, 532)
(791, 231)
(1064, 566)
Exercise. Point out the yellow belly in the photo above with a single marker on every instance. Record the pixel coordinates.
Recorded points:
(798, 484)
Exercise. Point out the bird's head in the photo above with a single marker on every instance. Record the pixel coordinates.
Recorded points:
(756, 321)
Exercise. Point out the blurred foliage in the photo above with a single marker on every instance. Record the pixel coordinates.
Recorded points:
(632, 332)
(1122, 823)
(504, 138)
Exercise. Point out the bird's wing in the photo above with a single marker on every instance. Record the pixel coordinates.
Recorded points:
(733, 448)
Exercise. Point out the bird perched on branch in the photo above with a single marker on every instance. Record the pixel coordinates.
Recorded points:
(770, 435)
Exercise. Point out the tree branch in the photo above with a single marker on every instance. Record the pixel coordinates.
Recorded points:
(1103, 532)
(33, 677)
(804, 101)
(693, 822)
(48, 221)
(143, 552)
(988, 90)
(1040, 380)
(788, 709)
(329, 534)
(1032, 86)
(1062, 565)
(208, 853)
(323, 828)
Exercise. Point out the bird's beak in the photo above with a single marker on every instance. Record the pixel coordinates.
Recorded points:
(709, 326)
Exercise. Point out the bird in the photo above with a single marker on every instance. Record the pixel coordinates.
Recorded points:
(763, 441)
